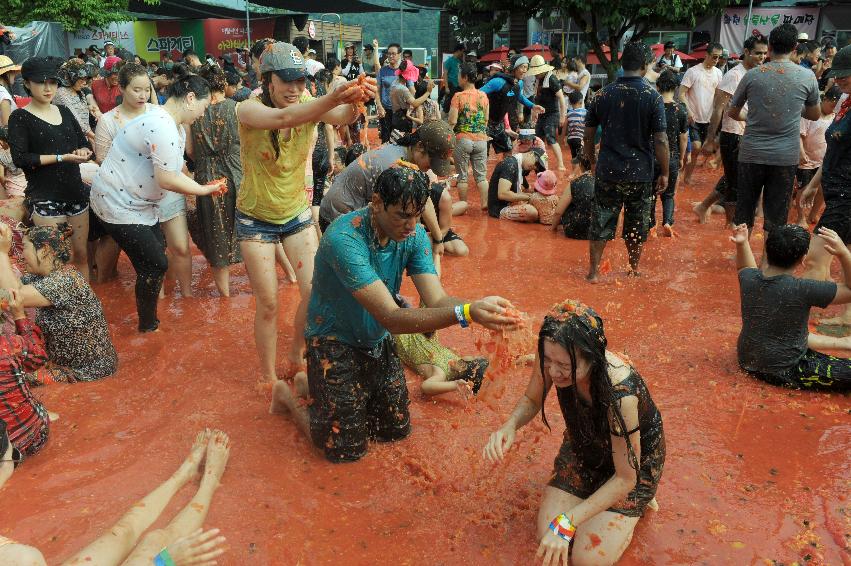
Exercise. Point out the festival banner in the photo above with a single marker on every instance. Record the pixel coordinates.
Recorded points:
(156, 38)
(763, 20)
(120, 33)
(225, 36)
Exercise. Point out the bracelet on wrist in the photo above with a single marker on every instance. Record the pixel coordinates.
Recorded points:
(467, 315)
(163, 558)
(563, 527)
(459, 315)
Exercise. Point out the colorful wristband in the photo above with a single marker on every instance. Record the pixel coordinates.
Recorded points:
(459, 315)
(563, 527)
(163, 558)
(467, 316)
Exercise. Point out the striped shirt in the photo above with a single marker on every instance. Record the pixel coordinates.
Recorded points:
(576, 123)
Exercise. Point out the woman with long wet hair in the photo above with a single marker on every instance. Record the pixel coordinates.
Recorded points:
(276, 130)
(610, 462)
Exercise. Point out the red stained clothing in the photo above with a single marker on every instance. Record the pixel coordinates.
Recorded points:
(106, 96)
(26, 419)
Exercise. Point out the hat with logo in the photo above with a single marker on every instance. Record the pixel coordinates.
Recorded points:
(546, 183)
(7, 65)
(285, 60)
(438, 140)
(841, 65)
(41, 69)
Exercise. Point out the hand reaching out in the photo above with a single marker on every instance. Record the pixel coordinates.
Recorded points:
(832, 242)
(740, 234)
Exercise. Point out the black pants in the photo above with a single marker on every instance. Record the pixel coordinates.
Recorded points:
(729, 144)
(575, 145)
(145, 246)
(774, 182)
(385, 125)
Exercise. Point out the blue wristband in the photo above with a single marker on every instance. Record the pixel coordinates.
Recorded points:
(459, 314)
(163, 558)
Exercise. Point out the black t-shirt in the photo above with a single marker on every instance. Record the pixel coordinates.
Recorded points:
(836, 166)
(630, 112)
(507, 169)
(577, 218)
(546, 94)
(676, 120)
(30, 137)
(775, 313)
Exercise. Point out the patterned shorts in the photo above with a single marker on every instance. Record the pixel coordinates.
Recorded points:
(57, 208)
(609, 199)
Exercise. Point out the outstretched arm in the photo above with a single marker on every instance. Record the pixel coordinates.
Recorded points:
(744, 255)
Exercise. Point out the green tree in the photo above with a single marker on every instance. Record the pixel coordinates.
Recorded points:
(611, 20)
(72, 14)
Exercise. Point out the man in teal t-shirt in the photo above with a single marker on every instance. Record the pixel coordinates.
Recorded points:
(450, 75)
(354, 377)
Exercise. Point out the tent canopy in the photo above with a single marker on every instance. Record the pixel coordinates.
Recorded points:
(235, 9)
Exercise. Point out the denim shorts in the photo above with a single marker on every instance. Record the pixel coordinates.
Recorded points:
(252, 229)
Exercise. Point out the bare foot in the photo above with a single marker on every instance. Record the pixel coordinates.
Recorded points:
(282, 398)
(192, 465)
(218, 452)
(302, 388)
(716, 209)
(702, 213)
(592, 278)
(667, 231)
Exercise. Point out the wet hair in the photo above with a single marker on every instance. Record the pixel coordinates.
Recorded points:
(182, 86)
(57, 238)
(714, 46)
(574, 97)
(783, 39)
(667, 81)
(579, 330)
(181, 71)
(129, 72)
(752, 41)
(404, 186)
(786, 245)
(468, 71)
(634, 56)
(834, 93)
(215, 77)
(260, 46)
(355, 150)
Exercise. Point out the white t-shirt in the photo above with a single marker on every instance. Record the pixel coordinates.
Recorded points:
(815, 144)
(4, 95)
(701, 83)
(313, 66)
(124, 191)
(108, 127)
(729, 83)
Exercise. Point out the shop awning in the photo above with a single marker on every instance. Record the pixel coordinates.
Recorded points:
(196, 10)
(328, 6)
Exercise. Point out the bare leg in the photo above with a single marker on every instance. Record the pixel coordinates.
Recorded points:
(283, 400)
(284, 262)
(259, 258)
(180, 259)
(221, 275)
(462, 190)
(818, 203)
(633, 250)
(483, 193)
(596, 249)
(456, 248)
(21, 555)
(191, 517)
(703, 209)
(695, 152)
(460, 208)
(557, 151)
(301, 250)
(821, 342)
(106, 258)
(113, 547)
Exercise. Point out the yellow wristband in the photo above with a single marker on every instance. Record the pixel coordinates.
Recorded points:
(467, 313)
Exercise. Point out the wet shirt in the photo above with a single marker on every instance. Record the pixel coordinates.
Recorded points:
(75, 330)
(776, 93)
(630, 112)
(729, 83)
(473, 106)
(508, 169)
(349, 258)
(836, 166)
(676, 122)
(125, 190)
(701, 83)
(814, 140)
(775, 314)
(352, 188)
(577, 217)
(547, 94)
(272, 189)
(576, 123)
(30, 137)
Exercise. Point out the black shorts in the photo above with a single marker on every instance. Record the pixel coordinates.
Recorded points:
(500, 142)
(609, 199)
(698, 132)
(575, 145)
(837, 214)
(357, 395)
(814, 371)
(546, 128)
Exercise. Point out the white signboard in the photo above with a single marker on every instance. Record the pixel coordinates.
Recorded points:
(763, 20)
(119, 33)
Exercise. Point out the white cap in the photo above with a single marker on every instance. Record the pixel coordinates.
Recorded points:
(311, 51)
(803, 36)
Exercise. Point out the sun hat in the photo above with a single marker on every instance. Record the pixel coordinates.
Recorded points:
(7, 65)
(72, 71)
(841, 65)
(41, 69)
(284, 59)
(438, 140)
(546, 183)
(537, 66)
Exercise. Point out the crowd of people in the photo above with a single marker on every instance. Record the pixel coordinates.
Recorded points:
(263, 157)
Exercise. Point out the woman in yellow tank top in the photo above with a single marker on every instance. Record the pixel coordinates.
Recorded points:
(276, 130)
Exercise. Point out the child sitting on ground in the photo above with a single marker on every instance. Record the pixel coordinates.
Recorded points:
(573, 210)
(775, 344)
(544, 198)
(575, 124)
